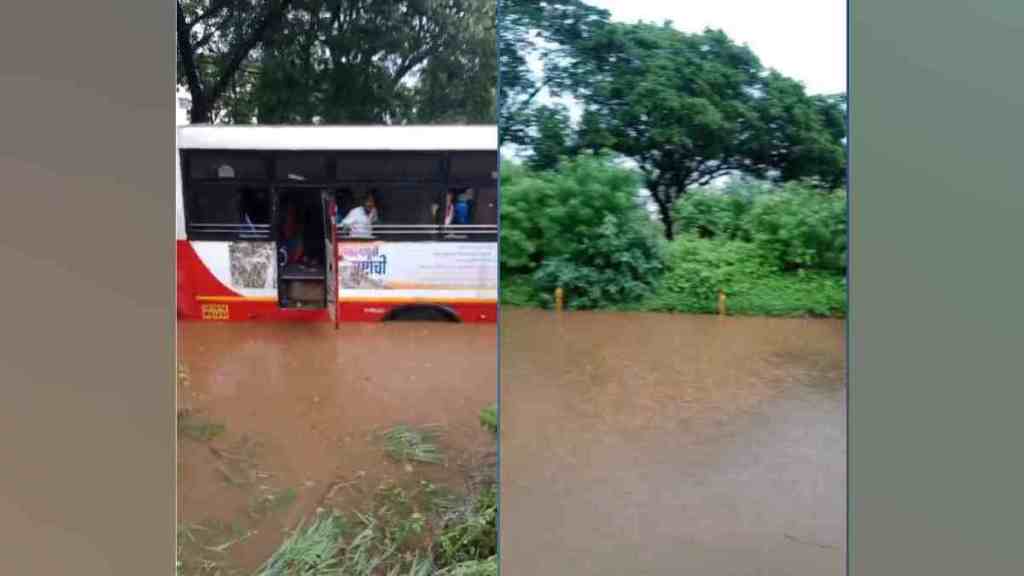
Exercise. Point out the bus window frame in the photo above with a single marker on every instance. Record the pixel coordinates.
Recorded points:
(225, 232)
(332, 180)
(470, 232)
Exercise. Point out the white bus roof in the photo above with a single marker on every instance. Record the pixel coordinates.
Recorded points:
(349, 138)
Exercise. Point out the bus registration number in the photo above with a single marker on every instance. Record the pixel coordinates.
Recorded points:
(215, 312)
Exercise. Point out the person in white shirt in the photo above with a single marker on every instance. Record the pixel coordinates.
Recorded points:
(360, 220)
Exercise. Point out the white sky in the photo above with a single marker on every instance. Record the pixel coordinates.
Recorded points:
(803, 39)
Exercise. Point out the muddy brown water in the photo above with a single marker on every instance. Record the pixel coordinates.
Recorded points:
(650, 444)
(301, 406)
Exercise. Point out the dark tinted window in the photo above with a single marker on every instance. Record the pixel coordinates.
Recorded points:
(227, 166)
(485, 206)
(388, 166)
(298, 167)
(471, 168)
(227, 211)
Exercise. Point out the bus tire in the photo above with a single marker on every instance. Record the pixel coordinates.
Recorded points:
(421, 313)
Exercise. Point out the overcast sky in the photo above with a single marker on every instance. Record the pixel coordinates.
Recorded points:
(803, 39)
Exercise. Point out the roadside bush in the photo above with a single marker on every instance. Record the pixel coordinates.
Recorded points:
(719, 214)
(699, 268)
(518, 291)
(578, 228)
(799, 228)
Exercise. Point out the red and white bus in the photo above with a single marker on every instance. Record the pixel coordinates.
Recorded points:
(338, 223)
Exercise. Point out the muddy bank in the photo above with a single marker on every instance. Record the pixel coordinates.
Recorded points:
(283, 419)
(671, 444)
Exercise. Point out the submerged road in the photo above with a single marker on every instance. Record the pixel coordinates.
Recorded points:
(649, 444)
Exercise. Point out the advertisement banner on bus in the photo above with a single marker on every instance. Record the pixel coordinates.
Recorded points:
(446, 266)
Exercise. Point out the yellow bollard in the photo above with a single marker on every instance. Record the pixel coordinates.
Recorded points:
(721, 303)
(559, 298)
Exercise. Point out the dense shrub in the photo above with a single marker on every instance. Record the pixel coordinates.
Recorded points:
(580, 229)
(799, 228)
(720, 214)
(699, 268)
(774, 250)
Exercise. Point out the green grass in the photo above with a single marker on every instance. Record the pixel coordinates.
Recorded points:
(470, 535)
(311, 550)
(394, 538)
(489, 418)
(409, 444)
(198, 428)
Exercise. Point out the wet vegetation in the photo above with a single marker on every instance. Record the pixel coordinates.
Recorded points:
(409, 526)
(489, 418)
(408, 444)
(771, 249)
(688, 111)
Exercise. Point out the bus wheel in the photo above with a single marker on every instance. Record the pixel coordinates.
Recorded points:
(421, 313)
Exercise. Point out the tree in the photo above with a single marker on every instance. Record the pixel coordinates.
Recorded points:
(549, 32)
(690, 108)
(339, 61)
(551, 138)
(215, 38)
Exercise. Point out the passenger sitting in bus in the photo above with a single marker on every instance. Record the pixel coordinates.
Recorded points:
(457, 211)
(360, 220)
(449, 210)
(461, 216)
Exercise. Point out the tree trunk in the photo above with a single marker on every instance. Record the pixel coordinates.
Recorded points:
(665, 214)
(200, 111)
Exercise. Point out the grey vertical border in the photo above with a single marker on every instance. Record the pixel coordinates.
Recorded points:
(87, 261)
(935, 349)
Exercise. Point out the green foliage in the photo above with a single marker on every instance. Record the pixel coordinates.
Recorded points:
(339, 61)
(796, 226)
(579, 228)
(471, 536)
(518, 291)
(699, 268)
(489, 418)
(711, 213)
(311, 550)
(800, 227)
(408, 444)
(687, 107)
(549, 31)
(487, 567)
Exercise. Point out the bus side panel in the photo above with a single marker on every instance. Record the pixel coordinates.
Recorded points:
(201, 296)
(473, 313)
(188, 308)
(370, 311)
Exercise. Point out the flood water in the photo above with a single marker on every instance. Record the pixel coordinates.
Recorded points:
(301, 406)
(650, 444)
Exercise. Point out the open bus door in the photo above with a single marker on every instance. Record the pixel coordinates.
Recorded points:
(330, 211)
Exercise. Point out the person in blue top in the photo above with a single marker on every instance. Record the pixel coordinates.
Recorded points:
(461, 215)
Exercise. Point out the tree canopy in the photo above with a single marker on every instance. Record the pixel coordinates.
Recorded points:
(338, 61)
(686, 108)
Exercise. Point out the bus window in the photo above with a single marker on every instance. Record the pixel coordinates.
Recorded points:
(205, 165)
(227, 211)
(471, 213)
(301, 167)
(471, 169)
(485, 207)
(391, 167)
